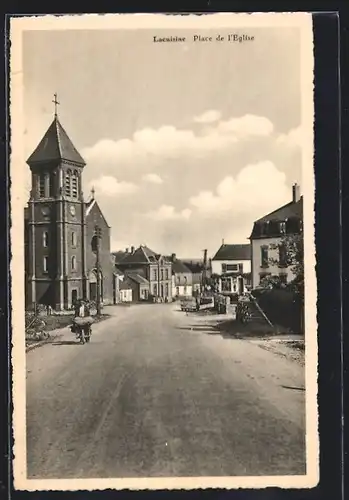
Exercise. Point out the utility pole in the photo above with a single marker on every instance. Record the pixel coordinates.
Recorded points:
(98, 235)
(204, 273)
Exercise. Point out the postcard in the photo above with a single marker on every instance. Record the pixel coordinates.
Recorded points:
(163, 260)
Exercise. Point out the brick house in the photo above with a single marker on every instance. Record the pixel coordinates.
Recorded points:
(153, 267)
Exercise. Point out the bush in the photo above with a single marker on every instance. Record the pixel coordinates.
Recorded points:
(282, 306)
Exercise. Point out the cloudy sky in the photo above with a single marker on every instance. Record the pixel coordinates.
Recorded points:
(185, 143)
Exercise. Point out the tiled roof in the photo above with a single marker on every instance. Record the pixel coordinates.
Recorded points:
(178, 267)
(137, 278)
(292, 209)
(119, 256)
(142, 255)
(268, 226)
(118, 271)
(194, 265)
(55, 146)
(233, 252)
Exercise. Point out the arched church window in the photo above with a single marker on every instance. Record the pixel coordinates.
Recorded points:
(73, 263)
(42, 185)
(68, 183)
(45, 239)
(75, 178)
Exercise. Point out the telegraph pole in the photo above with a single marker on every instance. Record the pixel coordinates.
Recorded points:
(98, 234)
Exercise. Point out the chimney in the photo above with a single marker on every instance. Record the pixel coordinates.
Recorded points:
(126, 250)
(132, 250)
(296, 193)
(173, 257)
(223, 241)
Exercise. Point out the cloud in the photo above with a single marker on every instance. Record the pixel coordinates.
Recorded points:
(152, 178)
(293, 139)
(110, 186)
(152, 147)
(257, 189)
(208, 117)
(168, 212)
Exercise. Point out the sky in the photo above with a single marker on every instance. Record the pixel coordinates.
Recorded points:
(186, 144)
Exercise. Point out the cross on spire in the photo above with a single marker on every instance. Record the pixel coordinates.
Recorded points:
(55, 103)
(93, 192)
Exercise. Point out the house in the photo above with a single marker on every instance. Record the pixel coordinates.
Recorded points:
(153, 267)
(232, 265)
(182, 278)
(119, 277)
(268, 253)
(59, 228)
(126, 294)
(197, 269)
(139, 285)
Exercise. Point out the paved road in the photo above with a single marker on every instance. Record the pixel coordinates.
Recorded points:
(153, 395)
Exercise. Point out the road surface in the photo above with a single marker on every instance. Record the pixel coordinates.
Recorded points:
(158, 393)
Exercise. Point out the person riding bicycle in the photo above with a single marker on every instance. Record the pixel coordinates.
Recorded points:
(82, 310)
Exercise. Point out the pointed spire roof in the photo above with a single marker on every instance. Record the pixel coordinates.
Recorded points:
(55, 146)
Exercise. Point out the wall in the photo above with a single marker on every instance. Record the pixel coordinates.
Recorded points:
(273, 254)
(179, 289)
(217, 265)
(94, 217)
(126, 295)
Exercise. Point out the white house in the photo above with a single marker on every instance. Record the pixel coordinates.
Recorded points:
(268, 255)
(182, 278)
(232, 264)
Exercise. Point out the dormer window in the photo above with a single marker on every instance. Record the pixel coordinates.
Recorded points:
(282, 227)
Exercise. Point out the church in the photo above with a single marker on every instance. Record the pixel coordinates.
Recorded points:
(60, 229)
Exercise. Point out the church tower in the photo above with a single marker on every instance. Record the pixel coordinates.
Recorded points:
(56, 221)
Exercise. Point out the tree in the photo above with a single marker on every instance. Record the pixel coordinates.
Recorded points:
(291, 255)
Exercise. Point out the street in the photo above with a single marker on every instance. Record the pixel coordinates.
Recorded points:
(157, 393)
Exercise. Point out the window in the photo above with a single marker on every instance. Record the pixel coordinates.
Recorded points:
(45, 264)
(162, 274)
(155, 275)
(282, 256)
(52, 184)
(45, 239)
(264, 256)
(155, 290)
(73, 239)
(262, 276)
(232, 267)
(42, 182)
(166, 290)
(73, 263)
(282, 227)
(177, 290)
(185, 290)
(74, 183)
(167, 274)
(68, 183)
(224, 268)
